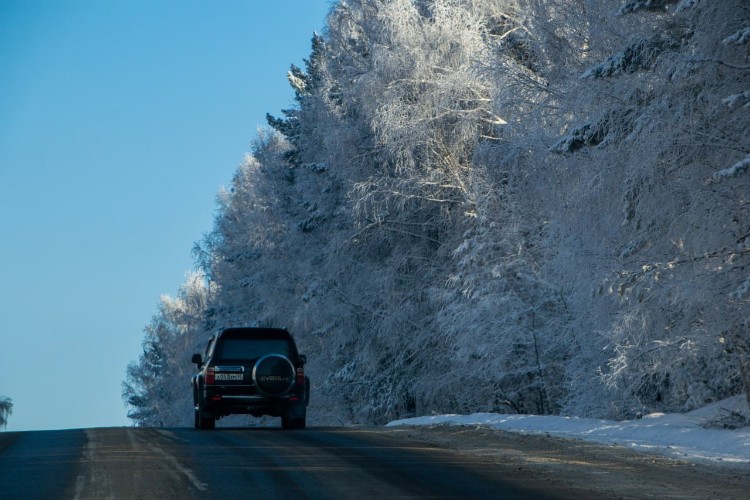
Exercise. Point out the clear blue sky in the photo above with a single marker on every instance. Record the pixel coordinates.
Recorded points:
(119, 122)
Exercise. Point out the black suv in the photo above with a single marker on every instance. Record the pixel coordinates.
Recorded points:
(255, 371)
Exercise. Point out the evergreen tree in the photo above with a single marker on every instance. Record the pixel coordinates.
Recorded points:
(305, 84)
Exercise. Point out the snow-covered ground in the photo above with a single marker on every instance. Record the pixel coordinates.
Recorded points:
(682, 436)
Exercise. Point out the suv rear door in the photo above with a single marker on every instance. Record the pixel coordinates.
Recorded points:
(234, 358)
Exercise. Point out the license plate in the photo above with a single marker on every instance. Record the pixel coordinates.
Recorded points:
(228, 376)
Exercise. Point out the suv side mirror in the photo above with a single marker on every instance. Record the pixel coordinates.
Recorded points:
(197, 359)
(302, 359)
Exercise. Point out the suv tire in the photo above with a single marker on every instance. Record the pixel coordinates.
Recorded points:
(295, 416)
(204, 420)
(292, 423)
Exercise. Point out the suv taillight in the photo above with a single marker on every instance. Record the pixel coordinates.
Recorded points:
(300, 376)
(210, 377)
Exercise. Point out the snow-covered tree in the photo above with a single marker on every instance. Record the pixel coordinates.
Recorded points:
(307, 86)
(154, 388)
(643, 214)
(6, 410)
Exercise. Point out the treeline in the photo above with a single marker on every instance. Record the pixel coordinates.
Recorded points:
(489, 205)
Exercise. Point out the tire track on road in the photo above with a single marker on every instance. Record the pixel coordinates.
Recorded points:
(130, 462)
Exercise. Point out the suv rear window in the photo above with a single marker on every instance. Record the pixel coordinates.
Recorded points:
(250, 349)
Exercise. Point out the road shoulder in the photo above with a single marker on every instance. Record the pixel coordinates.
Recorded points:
(602, 470)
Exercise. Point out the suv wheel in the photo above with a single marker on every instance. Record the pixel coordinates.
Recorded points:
(292, 423)
(294, 417)
(204, 419)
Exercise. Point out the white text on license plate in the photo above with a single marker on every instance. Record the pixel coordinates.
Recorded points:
(228, 376)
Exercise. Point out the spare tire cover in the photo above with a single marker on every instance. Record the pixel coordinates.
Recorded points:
(273, 375)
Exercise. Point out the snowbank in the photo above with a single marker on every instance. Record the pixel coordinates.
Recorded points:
(681, 436)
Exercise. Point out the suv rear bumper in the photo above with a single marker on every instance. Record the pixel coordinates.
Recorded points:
(254, 404)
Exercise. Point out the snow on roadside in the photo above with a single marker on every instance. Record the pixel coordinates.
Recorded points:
(681, 436)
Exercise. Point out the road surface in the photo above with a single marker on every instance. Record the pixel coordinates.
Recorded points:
(339, 463)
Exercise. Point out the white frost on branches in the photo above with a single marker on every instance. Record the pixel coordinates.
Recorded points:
(637, 56)
(735, 100)
(742, 291)
(686, 5)
(648, 5)
(733, 171)
(740, 37)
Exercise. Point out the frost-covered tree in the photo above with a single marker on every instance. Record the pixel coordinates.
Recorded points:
(645, 216)
(6, 410)
(425, 91)
(154, 388)
(424, 95)
(307, 86)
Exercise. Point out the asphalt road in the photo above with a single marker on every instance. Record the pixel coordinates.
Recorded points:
(316, 463)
